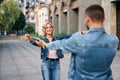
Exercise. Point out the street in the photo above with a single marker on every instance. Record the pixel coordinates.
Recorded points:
(19, 60)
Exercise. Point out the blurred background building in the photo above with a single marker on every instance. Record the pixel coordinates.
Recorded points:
(36, 12)
(68, 15)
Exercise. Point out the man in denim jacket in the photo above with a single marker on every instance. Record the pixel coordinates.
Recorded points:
(93, 52)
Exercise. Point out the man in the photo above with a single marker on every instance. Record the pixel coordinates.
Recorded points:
(93, 52)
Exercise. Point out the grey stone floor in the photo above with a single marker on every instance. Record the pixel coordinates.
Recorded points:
(19, 60)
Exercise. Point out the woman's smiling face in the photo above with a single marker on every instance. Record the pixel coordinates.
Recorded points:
(49, 29)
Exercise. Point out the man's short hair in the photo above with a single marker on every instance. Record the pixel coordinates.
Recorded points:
(95, 12)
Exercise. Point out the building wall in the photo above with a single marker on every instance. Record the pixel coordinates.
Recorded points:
(37, 19)
(42, 19)
(110, 16)
(118, 21)
(71, 14)
(68, 15)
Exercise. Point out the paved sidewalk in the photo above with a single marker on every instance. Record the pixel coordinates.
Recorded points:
(20, 60)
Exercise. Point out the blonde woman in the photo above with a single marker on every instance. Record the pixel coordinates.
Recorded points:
(50, 66)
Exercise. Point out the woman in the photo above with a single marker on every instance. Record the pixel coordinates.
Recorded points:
(50, 66)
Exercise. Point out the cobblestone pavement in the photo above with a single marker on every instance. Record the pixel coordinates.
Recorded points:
(19, 60)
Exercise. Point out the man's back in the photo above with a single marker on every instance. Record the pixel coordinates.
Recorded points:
(96, 51)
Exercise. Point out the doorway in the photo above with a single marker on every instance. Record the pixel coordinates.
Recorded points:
(118, 21)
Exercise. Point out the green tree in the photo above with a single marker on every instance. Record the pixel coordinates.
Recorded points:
(1, 1)
(1, 18)
(9, 12)
(20, 22)
(29, 29)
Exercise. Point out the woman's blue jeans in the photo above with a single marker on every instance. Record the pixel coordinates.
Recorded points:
(50, 69)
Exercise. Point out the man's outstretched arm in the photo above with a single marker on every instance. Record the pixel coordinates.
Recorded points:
(66, 45)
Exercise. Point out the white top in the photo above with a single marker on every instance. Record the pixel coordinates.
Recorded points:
(52, 54)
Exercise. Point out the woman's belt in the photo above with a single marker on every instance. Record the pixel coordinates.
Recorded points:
(51, 59)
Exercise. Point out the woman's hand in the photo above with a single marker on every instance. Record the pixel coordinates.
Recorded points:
(28, 37)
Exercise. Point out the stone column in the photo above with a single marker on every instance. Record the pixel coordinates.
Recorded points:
(113, 19)
(106, 6)
(62, 20)
(110, 16)
(54, 19)
(56, 22)
(72, 19)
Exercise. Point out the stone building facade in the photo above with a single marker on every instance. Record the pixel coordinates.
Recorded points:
(68, 15)
(41, 17)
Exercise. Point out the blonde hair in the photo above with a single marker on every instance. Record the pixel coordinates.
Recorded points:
(44, 27)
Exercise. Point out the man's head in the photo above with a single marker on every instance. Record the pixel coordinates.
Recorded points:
(94, 14)
(48, 29)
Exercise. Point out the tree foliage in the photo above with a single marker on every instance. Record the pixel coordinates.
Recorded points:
(19, 23)
(29, 29)
(9, 12)
(1, 1)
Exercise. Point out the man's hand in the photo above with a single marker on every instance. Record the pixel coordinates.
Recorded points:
(41, 43)
(83, 32)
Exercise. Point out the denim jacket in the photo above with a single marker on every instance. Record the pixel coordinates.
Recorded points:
(44, 51)
(92, 55)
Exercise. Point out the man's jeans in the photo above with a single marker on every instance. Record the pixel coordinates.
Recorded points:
(50, 69)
